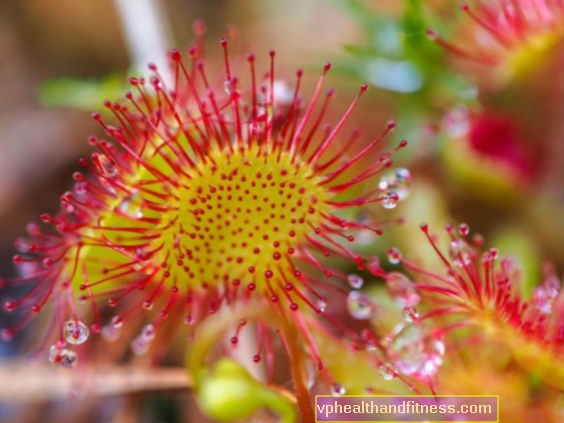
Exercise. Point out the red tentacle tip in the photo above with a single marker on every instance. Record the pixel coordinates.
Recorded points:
(391, 124)
(363, 88)
(175, 55)
(424, 227)
(272, 53)
(134, 81)
(6, 334)
(96, 116)
(199, 28)
(465, 7)
(403, 143)
(251, 57)
(152, 67)
(327, 67)
(299, 73)
(224, 43)
(431, 34)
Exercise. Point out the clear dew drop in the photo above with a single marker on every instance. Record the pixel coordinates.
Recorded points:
(62, 356)
(75, 332)
(140, 259)
(106, 165)
(148, 332)
(545, 295)
(110, 333)
(321, 305)
(117, 322)
(417, 350)
(410, 314)
(394, 255)
(402, 290)
(389, 199)
(310, 371)
(397, 180)
(360, 306)
(141, 344)
(387, 371)
(373, 265)
(338, 390)
(457, 122)
(227, 86)
(355, 281)
(459, 252)
(131, 206)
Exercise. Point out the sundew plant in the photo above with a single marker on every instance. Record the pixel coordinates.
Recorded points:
(238, 237)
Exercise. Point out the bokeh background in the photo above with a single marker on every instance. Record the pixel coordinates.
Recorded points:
(42, 41)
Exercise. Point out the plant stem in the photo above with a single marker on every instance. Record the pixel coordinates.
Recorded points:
(295, 355)
(47, 384)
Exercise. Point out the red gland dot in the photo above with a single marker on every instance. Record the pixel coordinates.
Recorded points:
(293, 306)
(175, 55)
(256, 358)
(199, 28)
(7, 334)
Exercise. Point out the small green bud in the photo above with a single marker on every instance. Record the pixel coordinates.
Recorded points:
(230, 393)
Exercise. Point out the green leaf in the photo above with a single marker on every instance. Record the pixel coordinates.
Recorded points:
(81, 94)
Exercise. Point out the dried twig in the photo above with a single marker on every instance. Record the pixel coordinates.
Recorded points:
(29, 383)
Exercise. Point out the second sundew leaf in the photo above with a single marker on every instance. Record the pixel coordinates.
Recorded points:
(356, 372)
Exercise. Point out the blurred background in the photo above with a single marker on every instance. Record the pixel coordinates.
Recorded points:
(60, 59)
